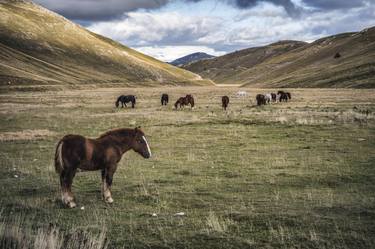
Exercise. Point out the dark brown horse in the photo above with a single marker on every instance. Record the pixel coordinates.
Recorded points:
(183, 101)
(261, 99)
(273, 97)
(190, 100)
(225, 102)
(164, 99)
(77, 152)
(123, 99)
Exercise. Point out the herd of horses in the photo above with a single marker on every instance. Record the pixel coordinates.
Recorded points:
(261, 99)
(281, 96)
(76, 152)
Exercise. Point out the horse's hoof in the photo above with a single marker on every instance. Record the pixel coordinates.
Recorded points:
(109, 200)
(72, 204)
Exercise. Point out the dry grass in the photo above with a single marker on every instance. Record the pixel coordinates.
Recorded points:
(287, 175)
(26, 135)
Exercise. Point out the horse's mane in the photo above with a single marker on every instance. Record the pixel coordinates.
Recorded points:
(116, 132)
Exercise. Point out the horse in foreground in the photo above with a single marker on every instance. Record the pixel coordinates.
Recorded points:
(123, 99)
(225, 102)
(75, 152)
(183, 101)
(164, 99)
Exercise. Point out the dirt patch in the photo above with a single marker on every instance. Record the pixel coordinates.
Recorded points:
(26, 135)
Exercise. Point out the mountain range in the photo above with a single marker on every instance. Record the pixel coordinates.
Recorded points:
(191, 58)
(342, 60)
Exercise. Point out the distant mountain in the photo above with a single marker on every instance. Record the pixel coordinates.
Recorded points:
(343, 60)
(191, 58)
(38, 46)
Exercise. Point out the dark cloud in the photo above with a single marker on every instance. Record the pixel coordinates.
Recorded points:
(244, 4)
(287, 4)
(85, 11)
(334, 4)
(96, 10)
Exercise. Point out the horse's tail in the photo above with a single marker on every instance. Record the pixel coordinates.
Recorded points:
(59, 162)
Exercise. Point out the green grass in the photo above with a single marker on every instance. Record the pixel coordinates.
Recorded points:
(291, 175)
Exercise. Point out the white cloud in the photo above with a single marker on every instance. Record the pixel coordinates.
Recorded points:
(170, 53)
(162, 28)
(169, 33)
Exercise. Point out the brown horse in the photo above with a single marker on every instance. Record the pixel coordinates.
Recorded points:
(77, 152)
(182, 101)
(224, 102)
(188, 99)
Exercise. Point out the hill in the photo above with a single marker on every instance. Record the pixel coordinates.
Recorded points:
(298, 64)
(191, 58)
(38, 46)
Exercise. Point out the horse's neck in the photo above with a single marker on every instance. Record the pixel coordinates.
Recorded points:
(121, 144)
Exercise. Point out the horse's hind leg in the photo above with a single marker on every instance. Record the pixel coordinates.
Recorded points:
(66, 180)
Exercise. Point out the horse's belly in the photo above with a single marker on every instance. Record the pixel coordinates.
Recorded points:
(89, 166)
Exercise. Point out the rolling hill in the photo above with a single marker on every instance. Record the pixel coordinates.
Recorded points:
(38, 46)
(191, 58)
(298, 64)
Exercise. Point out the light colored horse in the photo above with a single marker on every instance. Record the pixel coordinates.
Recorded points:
(241, 94)
(268, 97)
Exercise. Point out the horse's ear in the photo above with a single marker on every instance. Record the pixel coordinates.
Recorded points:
(137, 128)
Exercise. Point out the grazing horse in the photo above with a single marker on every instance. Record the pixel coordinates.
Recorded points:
(164, 99)
(241, 94)
(190, 100)
(103, 153)
(261, 99)
(125, 99)
(273, 95)
(268, 98)
(182, 101)
(283, 97)
(224, 102)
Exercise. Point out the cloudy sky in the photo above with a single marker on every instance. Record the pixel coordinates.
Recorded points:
(168, 29)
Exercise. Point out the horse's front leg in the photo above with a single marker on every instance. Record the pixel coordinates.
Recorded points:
(107, 178)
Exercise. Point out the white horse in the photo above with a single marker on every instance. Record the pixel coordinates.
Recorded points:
(241, 94)
(268, 97)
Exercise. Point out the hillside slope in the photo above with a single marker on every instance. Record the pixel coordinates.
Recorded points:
(191, 58)
(296, 64)
(38, 46)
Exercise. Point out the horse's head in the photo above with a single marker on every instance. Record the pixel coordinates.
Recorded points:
(140, 144)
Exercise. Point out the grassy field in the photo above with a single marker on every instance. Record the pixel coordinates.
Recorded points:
(287, 175)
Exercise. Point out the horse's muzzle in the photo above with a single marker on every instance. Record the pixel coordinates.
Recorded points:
(146, 155)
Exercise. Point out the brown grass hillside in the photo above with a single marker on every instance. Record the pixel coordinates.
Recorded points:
(38, 46)
(297, 64)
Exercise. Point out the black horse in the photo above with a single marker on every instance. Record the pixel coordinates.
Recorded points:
(261, 99)
(125, 99)
(283, 97)
(164, 99)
